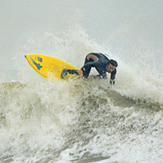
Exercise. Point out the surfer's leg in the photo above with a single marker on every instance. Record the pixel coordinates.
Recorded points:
(89, 59)
(76, 72)
(86, 71)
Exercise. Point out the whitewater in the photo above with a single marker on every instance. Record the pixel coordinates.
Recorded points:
(82, 120)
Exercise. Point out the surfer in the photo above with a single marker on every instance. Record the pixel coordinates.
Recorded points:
(100, 62)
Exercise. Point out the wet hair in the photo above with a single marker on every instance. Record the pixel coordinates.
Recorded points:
(113, 62)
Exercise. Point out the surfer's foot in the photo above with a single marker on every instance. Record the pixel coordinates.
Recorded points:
(64, 73)
(80, 72)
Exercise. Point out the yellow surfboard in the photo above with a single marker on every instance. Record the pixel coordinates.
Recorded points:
(49, 67)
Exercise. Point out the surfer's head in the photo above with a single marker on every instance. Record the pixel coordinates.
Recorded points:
(111, 65)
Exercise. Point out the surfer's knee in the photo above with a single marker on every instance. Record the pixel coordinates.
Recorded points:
(92, 57)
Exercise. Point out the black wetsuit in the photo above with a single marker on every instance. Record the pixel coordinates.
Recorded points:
(100, 66)
(97, 60)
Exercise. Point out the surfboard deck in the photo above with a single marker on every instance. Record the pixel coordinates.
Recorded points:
(49, 67)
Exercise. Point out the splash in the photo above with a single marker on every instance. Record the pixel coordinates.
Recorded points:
(75, 120)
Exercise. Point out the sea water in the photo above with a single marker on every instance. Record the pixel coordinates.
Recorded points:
(82, 120)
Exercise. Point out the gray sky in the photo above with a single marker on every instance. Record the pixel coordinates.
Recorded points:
(122, 23)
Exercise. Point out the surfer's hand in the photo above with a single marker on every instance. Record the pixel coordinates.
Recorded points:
(112, 82)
